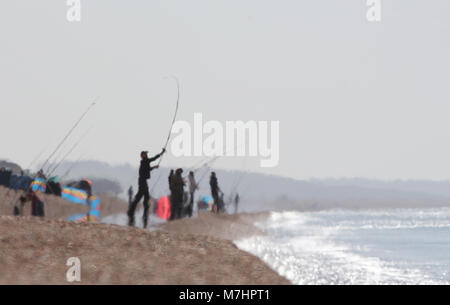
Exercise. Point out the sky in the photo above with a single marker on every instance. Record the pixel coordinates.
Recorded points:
(353, 98)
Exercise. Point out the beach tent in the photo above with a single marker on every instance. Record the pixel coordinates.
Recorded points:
(94, 213)
(74, 195)
(84, 184)
(80, 196)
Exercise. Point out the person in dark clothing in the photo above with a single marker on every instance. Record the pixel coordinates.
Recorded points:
(85, 185)
(37, 206)
(53, 187)
(236, 203)
(144, 175)
(16, 211)
(192, 187)
(185, 205)
(40, 174)
(170, 179)
(177, 193)
(130, 194)
(221, 205)
(5, 177)
(172, 207)
(19, 206)
(215, 191)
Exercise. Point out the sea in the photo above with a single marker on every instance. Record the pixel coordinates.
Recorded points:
(341, 247)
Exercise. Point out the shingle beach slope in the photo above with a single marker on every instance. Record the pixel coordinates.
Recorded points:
(35, 251)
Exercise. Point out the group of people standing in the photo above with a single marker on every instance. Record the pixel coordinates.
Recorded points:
(182, 203)
(176, 187)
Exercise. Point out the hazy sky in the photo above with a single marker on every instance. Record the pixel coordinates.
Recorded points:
(354, 99)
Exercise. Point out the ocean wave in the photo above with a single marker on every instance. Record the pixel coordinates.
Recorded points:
(305, 248)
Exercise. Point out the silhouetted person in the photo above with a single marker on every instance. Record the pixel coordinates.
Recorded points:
(40, 174)
(215, 190)
(236, 203)
(144, 175)
(37, 206)
(19, 206)
(53, 187)
(177, 193)
(86, 185)
(192, 187)
(221, 206)
(5, 177)
(170, 179)
(130, 194)
(172, 207)
(16, 211)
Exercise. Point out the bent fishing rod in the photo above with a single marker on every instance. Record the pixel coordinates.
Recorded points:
(171, 126)
(174, 116)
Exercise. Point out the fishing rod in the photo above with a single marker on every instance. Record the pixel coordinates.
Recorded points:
(28, 168)
(70, 151)
(202, 166)
(53, 162)
(192, 167)
(50, 173)
(174, 116)
(70, 132)
(67, 136)
(197, 165)
(235, 187)
(38, 156)
(156, 182)
(210, 162)
(62, 141)
(237, 182)
(208, 166)
(75, 163)
(171, 126)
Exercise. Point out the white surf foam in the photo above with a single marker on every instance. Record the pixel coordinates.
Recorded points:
(304, 250)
